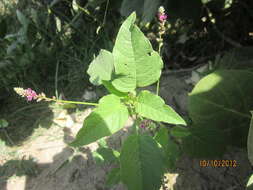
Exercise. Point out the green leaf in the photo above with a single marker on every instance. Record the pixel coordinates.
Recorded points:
(141, 163)
(162, 137)
(204, 142)
(147, 9)
(250, 183)
(113, 177)
(250, 141)
(108, 154)
(101, 68)
(3, 123)
(170, 149)
(180, 132)
(136, 63)
(108, 85)
(153, 107)
(223, 99)
(108, 118)
(105, 155)
(22, 18)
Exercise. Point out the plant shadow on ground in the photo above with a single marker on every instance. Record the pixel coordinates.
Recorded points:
(68, 170)
(23, 119)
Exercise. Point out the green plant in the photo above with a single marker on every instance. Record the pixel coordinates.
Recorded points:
(133, 63)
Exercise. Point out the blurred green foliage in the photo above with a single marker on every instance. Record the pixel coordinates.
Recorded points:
(52, 41)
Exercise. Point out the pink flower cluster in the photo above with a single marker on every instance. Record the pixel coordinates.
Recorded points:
(30, 94)
(162, 17)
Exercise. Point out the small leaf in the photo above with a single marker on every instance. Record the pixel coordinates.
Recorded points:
(179, 132)
(108, 154)
(3, 123)
(141, 163)
(153, 107)
(98, 158)
(113, 177)
(162, 137)
(101, 68)
(108, 118)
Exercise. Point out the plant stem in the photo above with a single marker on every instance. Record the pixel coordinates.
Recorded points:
(159, 51)
(71, 102)
(56, 79)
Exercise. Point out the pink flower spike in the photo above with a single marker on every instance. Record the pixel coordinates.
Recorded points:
(162, 17)
(30, 94)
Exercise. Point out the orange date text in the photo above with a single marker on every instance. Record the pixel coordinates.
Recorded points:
(218, 163)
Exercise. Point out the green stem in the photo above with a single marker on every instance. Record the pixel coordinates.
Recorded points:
(72, 102)
(159, 51)
(8, 137)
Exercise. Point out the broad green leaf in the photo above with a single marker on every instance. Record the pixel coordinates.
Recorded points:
(147, 9)
(136, 63)
(170, 149)
(101, 68)
(108, 85)
(113, 177)
(204, 142)
(223, 99)
(250, 141)
(108, 118)
(179, 132)
(153, 107)
(141, 163)
(250, 183)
